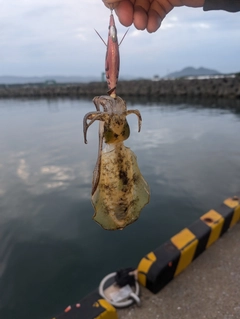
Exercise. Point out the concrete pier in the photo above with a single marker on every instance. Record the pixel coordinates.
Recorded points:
(208, 288)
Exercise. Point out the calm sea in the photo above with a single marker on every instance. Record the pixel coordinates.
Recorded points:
(51, 251)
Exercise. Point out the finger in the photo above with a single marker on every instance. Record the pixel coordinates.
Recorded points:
(144, 4)
(124, 11)
(190, 3)
(111, 4)
(140, 16)
(154, 21)
(162, 6)
(187, 3)
(157, 13)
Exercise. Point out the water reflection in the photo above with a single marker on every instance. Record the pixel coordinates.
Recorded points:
(187, 102)
(51, 252)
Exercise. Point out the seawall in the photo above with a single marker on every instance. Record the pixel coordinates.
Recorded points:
(221, 88)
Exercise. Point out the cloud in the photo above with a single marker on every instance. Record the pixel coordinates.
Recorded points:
(57, 37)
(22, 170)
(57, 176)
(201, 25)
(152, 138)
(81, 33)
(173, 18)
(59, 173)
(135, 33)
(168, 25)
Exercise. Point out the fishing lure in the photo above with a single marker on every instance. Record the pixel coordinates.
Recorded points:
(112, 61)
(119, 191)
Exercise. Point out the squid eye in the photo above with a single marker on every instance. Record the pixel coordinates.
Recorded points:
(113, 33)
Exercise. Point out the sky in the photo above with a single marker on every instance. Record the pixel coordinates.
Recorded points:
(57, 37)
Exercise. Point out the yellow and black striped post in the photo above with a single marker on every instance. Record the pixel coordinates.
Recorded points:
(92, 306)
(160, 266)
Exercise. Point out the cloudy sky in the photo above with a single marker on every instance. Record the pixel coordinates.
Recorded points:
(57, 37)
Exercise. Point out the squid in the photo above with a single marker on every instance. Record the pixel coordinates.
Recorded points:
(119, 191)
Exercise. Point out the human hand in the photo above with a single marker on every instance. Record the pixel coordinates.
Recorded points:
(146, 14)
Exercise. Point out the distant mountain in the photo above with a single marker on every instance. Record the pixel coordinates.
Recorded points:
(190, 71)
(42, 79)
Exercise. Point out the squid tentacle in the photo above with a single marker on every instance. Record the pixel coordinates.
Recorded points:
(136, 112)
(93, 116)
(103, 101)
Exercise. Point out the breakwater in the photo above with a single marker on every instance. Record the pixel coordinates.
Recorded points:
(222, 88)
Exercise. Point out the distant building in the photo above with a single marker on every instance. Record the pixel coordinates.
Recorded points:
(156, 78)
(50, 82)
(205, 77)
(103, 77)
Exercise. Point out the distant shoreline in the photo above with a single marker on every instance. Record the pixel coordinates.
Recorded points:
(227, 87)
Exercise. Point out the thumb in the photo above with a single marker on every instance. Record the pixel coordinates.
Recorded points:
(111, 4)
